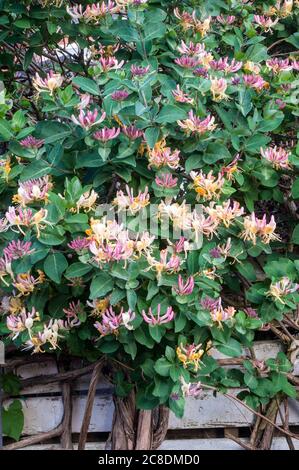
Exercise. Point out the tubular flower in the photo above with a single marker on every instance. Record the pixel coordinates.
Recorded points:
(188, 62)
(190, 389)
(119, 95)
(110, 63)
(87, 201)
(278, 65)
(265, 22)
(179, 214)
(132, 132)
(26, 218)
(221, 251)
(79, 244)
(186, 20)
(139, 71)
(130, 202)
(50, 83)
(49, 335)
(254, 227)
(226, 213)
(229, 170)
(181, 97)
(11, 304)
(196, 125)
(217, 312)
(106, 134)
(22, 322)
(99, 306)
(190, 355)
(158, 319)
(185, 288)
(25, 282)
(31, 142)
(202, 225)
(191, 49)
(161, 156)
(111, 321)
(256, 82)
(166, 181)
(277, 156)
(34, 190)
(218, 88)
(166, 264)
(17, 249)
(207, 186)
(223, 64)
(92, 13)
(279, 290)
(88, 119)
(225, 20)
(72, 312)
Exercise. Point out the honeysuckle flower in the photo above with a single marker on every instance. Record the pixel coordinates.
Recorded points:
(226, 20)
(50, 335)
(190, 355)
(5, 167)
(106, 134)
(251, 312)
(110, 63)
(236, 80)
(26, 218)
(202, 27)
(201, 72)
(179, 214)
(182, 245)
(278, 65)
(252, 67)
(279, 290)
(3, 225)
(191, 49)
(265, 22)
(256, 82)
(218, 88)
(277, 156)
(130, 3)
(181, 97)
(79, 244)
(143, 244)
(50, 83)
(11, 304)
(185, 287)
(87, 201)
(31, 142)
(261, 366)
(217, 312)
(88, 119)
(22, 322)
(229, 170)
(227, 212)
(254, 227)
(196, 125)
(139, 71)
(130, 202)
(34, 190)
(281, 104)
(119, 95)
(186, 20)
(161, 156)
(284, 9)
(111, 321)
(16, 249)
(295, 65)
(72, 312)
(207, 186)
(190, 389)
(25, 283)
(165, 264)
(201, 225)
(5, 269)
(94, 12)
(99, 306)
(132, 132)
(158, 319)
(188, 62)
(223, 64)
(85, 99)
(166, 181)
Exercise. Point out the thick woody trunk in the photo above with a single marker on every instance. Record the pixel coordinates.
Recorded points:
(134, 429)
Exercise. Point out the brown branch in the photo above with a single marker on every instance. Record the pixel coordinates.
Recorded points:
(89, 405)
(161, 427)
(240, 442)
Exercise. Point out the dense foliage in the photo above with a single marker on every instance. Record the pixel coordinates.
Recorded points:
(181, 116)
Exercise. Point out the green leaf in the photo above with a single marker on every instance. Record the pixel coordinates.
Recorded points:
(247, 270)
(156, 332)
(152, 136)
(52, 131)
(245, 103)
(36, 169)
(295, 235)
(13, 420)
(77, 270)
(86, 84)
(295, 189)
(101, 285)
(162, 367)
(54, 265)
(232, 348)
(5, 130)
(153, 30)
(170, 113)
(250, 380)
